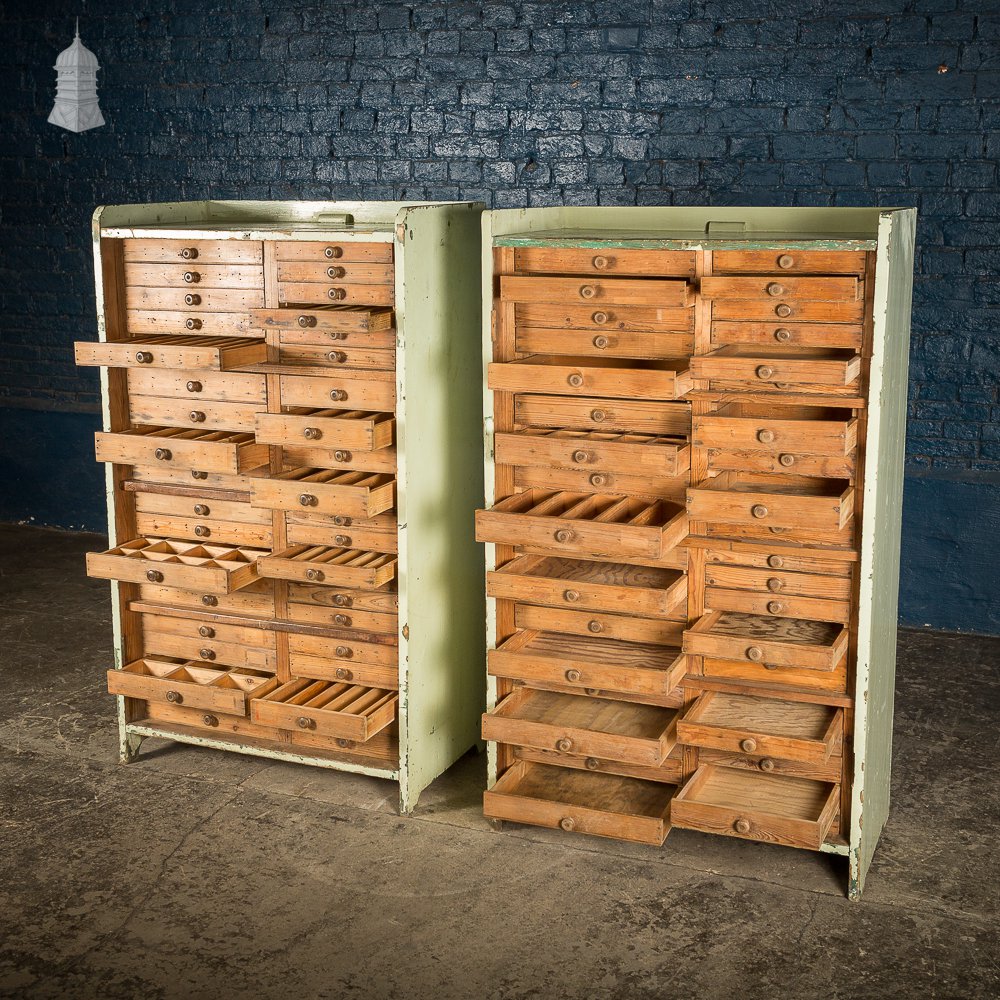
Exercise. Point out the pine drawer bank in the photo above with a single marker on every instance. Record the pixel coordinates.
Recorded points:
(291, 430)
(694, 454)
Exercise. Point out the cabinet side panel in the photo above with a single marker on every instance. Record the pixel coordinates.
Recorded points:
(440, 475)
(880, 540)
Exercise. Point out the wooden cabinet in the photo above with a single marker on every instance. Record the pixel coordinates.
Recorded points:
(291, 432)
(694, 440)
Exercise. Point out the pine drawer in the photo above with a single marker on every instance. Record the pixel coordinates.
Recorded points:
(789, 261)
(597, 291)
(330, 325)
(325, 491)
(371, 390)
(603, 261)
(765, 370)
(610, 377)
(610, 415)
(196, 353)
(192, 252)
(208, 451)
(360, 430)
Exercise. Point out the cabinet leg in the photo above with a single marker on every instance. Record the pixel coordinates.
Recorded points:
(128, 748)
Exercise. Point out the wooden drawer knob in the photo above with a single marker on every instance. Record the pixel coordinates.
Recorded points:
(174, 697)
(594, 626)
(343, 674)
(758, 510)
(782, 335)
(144, 357)
(765, 436)
(600, 317)
(210, 720)
(764, 371)
(197, 416)
(201, 509)
(567, 823)
(305, 723)
(564, 535)
(336, 357)
(338, 335)
(774, 584)
(163, 454)
(564, 745)
(775, 562)
(307, 500)
(192, 300)
(343, 620)
(342, 521)
(195, 474)
(582, 456)
(344, 652)
(783, 310)
(306, 321)
(192, 323)
(766, 764)
(190, 253)
(341, 456)
(210, 600)
(600, 342)
(343, 601)
(206, 654)
(335, 272)
(332, 253)
(573, 675)
(742, 826)
(575, 380)
(202, 531)
(192, 277)
(312, 433)
(337, 294)
(600, 263)
(775, 607)
(315, 575)
(786, 460)
(592, 764)
(587, 291)
(206, 632)
(755, 653)
(598, 416)
(785, 261)
(193, 386)
(338, 394)
(775, 289)
(748, 745)
(154, 576)
(342, 540)
(599, 479)
(571, 595)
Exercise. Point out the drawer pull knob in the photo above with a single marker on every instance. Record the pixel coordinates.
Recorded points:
(210, 600)
(573, 675)
(192, 323)
(345, 652)
(210, 720)
(742, 826)
(201, 509)
(575, 380)
(766, 764)
(599, 479)
(343, 674)
(202, 531)
(571, 595)
(342, 521)
(783, 310)
(206, 632)
(600, 318)
(764, 371)
(748, 745)
(338, 394)
(337, 357)
(775, 607)
(312, 433)
(206, 654)
(336, 294)
(786, 460)
(564, 745)
(190, 253)
(598, 416)
(307, 500)
(197, 416)
(163, 454)
(593, 692)
(592, 763)
(305, 723)
(567, 823)
(338, 335)
(195, 474)
(154, 576)
(600, 263)
(335, 272)
(600, 342)
(775, 562)
(755, 653)
(785, 261)
(341, 456)
(343, 601)
(773, 288)
(175, 697)
(581, 456)
(144, 357)
(594, 626)
(342, 540)
(192, 277)
(782, 335)
(332, 253)
(774, 584)
(343, 620)
(306, 321)
(315, 575)
(758, 510)
(587, 291)
(344, 744)
(192, 300)
(193, 386)
(765, 436)
(564, 535)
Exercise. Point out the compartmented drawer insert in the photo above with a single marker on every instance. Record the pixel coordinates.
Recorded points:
(328, 491)
(333, 567)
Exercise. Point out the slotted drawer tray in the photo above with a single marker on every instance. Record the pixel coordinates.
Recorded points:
(333, 567)
(326, 491)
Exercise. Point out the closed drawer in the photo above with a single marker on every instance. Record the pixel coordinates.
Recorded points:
(209, 652)
(348, 272)
(569, 723)
(767, 310)
(572, 622)
(205, 414)
(338, 710)
(210, 451)
(206, 568)
(194, 275)
(150, 251)
(605, 261)
(211, 324)
(359, 430)
(320, 251)
(790, 730)
(610, 415)
(255, 600)
(353, 358)
(774, 678)
(791, 559)
(195, 386)
(585, 524)
(594, 320)
(829, 770)
(761, 603)
(580, 480)
(757, 639)
(611, 344)
(162, 474)
(191, 684)
(631, 379)
(765, 370)
(324, 668)
(592, 664)
(807, 430)
(603, 805)
(214, 530)
(841, 539)
(195, 508)
(781, 334)
(330, 566)
(338, 290)
(591, 586)
(371, 391)
(369, 610)
(333, 617)
(597, 291)
(781, 463)
(670, 772)
(209, 353)
(790, 261)
(781, 288)
(780, 810)
(379, 534)
(383, 460)
(326, 491)
(345, 651)
(782, 501)
(193, 299)
(256, 635)
(336, 326)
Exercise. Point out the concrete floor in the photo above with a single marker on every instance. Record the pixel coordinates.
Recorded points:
(201, 874)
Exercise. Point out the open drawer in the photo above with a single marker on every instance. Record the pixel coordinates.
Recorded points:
(325, 491)
(589, 664)
(356, 325)
(604, 805)
(807, 430)
(325, 708)
(362, 430)
(791, 642)
(585, 524)
(192, 353)
(592, 586)
(177, 448)
(794, 811)
(597, 291)
(747, 366)
(586, 376)
(209, 569)
(191, 684)
(596, 727)
(790, 730)
(330, 566)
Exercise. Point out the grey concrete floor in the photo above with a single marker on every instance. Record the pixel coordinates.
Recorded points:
(197, 873)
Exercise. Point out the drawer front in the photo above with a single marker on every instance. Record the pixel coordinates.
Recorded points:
(563, 377)
(776, 677)
(777, 334)
(331, 492)
(610, 626)
(354, 601)
(325, 669)
(596, 291)
(772, 434)
(193, 302)
(204, 632)
(330, 566)
(345, 651)
(829, 770)
(163, 474)
(670, 772)
(331, 429)
(778, 582)
(618, 320)
(196, 252)
(383, 460)
(366, 393)
(842, 539)
(356, 325)
(788, 558)
(194, 276)
(777, 288)
(198, 414)
(760, 602)
(210, 324)
(347, 272)
(205, 529)
(207, 451)
(256, 600)
(607, 482)
(339, 292)
(377, 534)
(767, 310)
(336, 339)
(782, 463)
(195, 507)
(579, 260)
(533, 340)
(790, 510)
(338, 357)
(193, 386)
(595, 414)
(176, 352)
(349, 618)
(792, 261)
(210, 651)
(319, 252)
(765, 372)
